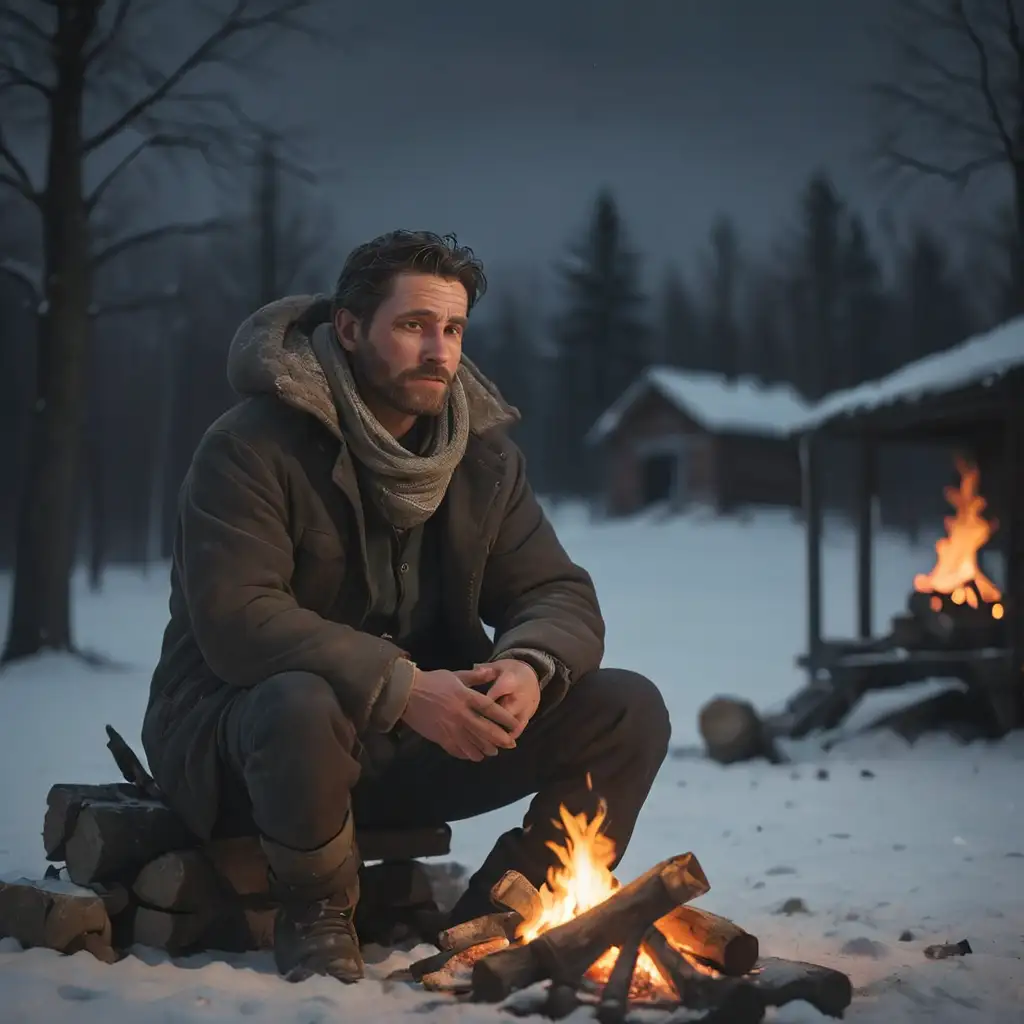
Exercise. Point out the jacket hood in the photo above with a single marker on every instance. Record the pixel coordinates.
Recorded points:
(271, 354)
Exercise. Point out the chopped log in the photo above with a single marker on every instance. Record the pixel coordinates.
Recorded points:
(614, 1004)
(736, 999)
(733, 731)
(518, 893)
(241, 863)
(404, 843)
(115, 896)
(479, 929)
(63, 803)
(183, 880)
(170, 931)
(456, 974)
(715, 940)
(53, 915)
(564, 953)
(113, 840)
(786, 981)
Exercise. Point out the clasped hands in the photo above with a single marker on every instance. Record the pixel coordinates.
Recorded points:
(448, 709)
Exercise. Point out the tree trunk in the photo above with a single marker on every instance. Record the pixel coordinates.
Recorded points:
(1017, 255)
(48, 511)
(98, 524)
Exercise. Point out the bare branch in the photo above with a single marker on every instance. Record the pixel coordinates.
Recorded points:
(110, 38)
(158, 141)
(18, 20)
(984, 76)
(958, 175)
(18, 177)
(143, 303)
(917, 105)
(29, 276)
(12, 78)
(128, 242)
(238, 22)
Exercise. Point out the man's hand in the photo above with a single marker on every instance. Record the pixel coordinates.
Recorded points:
(514, 686)
(462, 721)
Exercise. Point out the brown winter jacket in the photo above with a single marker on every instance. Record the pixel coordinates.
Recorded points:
(270, 574)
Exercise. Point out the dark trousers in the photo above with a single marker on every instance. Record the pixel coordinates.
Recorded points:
(292, 757)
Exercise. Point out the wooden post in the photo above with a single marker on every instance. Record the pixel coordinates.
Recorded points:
(1013, 536)
(867, 488)
(813, 515)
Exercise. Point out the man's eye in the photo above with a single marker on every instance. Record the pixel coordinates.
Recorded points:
(412, 325)
(455, 329)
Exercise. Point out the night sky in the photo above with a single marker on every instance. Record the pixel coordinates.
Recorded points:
(500, 121)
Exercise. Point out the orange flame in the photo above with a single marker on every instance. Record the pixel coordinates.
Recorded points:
(956, 573)
(582, 879)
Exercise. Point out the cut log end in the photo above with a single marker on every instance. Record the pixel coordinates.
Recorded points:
(52, 915)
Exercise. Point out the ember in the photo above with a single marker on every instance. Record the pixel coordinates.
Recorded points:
(956, 574)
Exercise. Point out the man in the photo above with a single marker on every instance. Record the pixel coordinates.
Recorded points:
(343, 533)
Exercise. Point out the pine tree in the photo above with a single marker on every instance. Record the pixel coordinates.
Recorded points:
(601, 334)
(935, 308)
(723, 286)
(679, 339)
(864, 310)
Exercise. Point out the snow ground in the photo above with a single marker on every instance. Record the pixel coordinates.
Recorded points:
(874, 837)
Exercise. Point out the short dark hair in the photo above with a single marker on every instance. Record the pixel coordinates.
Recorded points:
(365, 279)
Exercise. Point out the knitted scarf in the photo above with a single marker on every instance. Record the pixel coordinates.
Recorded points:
(408, 488)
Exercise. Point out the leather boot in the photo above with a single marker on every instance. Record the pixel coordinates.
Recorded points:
(318, 890)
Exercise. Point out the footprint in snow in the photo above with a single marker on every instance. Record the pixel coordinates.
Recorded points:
(781, 870)
(78, 994)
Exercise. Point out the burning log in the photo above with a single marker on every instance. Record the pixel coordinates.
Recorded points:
(502, 924)
(614, 1003)
(564, 953)
(715, 940)
(518, 893)
(736, 999)
(455, 975)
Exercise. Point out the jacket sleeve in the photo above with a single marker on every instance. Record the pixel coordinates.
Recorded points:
(235, 563)
(541, 604)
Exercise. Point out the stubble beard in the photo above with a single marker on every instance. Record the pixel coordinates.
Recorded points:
(396, 393)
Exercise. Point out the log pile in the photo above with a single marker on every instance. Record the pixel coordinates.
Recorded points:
(705, 962)
(132, 873)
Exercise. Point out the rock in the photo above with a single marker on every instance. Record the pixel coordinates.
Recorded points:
(863, 946)
(794, 905)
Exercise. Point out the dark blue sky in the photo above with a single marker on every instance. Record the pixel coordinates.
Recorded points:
(500, 121)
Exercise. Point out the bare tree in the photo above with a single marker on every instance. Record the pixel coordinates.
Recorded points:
(954, 110)
(74, 61)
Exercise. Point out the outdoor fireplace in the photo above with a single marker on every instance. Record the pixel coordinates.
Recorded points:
(956, 604)
(583, 938)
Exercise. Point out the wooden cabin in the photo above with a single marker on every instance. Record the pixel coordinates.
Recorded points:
(679, 438)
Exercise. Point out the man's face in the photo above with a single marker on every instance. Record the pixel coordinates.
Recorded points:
(405, 361)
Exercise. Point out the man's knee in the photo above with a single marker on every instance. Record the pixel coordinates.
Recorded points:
(297, 709)
(634, 704)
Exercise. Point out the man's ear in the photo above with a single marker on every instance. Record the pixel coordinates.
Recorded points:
(346, 326)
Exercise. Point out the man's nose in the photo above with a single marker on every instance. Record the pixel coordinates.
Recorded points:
(435, 343)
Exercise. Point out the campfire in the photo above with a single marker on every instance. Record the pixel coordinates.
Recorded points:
(616, 946)
(956, 577)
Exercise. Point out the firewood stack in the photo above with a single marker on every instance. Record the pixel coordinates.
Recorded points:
(709, 963)
(134, 874)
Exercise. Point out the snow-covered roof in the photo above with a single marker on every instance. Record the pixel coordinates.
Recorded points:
(740, 406)
(985, 358)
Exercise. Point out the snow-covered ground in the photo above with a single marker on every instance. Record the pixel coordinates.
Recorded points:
(875, 838)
